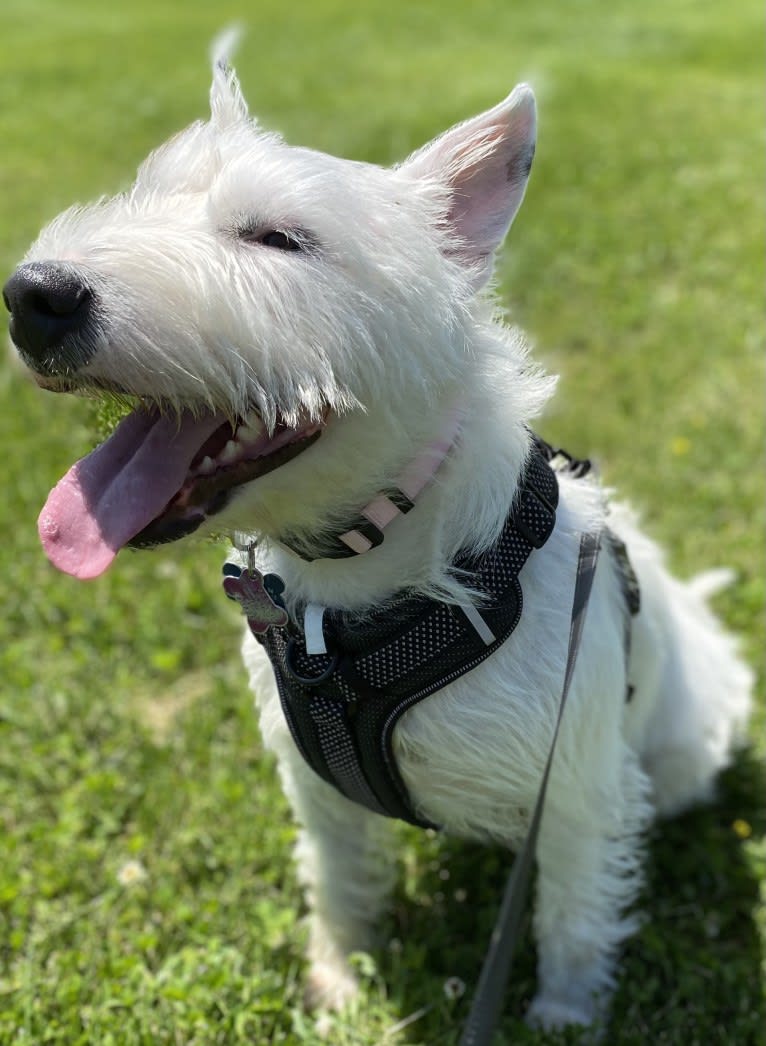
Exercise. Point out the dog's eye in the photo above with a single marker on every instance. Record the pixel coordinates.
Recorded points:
(280, 240)
(273, 238)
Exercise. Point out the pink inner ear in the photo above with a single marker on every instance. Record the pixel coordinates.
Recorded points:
(485, 164)
(487, 189)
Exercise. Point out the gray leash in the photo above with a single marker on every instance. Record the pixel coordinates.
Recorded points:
(488, 1000)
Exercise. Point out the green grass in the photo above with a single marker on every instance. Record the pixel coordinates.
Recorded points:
(126, 729)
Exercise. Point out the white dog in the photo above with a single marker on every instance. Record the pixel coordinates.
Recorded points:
(311, 357)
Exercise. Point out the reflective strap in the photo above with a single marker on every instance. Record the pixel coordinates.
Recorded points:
(478, 623)
(313, 617)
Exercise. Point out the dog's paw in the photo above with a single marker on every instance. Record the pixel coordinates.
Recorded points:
(330, 986)
(550, 1014)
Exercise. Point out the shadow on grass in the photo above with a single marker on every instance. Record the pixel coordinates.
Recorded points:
(691, 976)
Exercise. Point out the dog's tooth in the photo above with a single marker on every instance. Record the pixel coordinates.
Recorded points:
(250, 430)
(230, 453)
(206, 467)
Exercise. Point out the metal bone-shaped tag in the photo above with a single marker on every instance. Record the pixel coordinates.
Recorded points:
(259, 595)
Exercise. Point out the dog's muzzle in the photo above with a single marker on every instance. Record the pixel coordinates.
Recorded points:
(52, 316)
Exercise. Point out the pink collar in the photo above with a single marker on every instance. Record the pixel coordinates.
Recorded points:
(367, 530)
(385, 508)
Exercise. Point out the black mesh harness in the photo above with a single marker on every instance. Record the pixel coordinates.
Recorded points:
(342, 706)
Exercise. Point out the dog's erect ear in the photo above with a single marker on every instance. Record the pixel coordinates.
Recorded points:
(227, 103)
(484, 164)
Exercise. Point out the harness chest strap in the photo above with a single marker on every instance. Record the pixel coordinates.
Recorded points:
(342, 705)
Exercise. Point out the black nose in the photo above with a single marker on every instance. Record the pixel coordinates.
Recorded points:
(51, 308)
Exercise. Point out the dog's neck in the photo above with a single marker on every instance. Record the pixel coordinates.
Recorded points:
(368, 529)
(464, 506)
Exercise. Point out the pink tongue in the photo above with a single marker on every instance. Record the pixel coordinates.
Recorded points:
(109, 496)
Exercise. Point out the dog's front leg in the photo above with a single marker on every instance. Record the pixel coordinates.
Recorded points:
(589, 872)
(345, 862)
(344, 852)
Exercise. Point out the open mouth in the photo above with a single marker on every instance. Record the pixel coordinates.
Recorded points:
(158, 478)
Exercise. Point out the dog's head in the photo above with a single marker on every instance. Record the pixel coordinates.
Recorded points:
(285, 321)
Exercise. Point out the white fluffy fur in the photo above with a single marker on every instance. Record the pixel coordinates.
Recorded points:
(379, 320)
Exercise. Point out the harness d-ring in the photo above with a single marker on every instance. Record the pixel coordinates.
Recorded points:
(309, 680)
